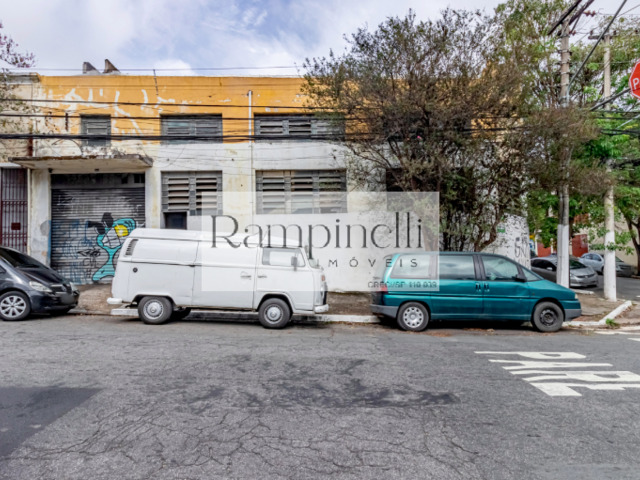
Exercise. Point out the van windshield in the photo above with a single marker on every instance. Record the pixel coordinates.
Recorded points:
(19, 260)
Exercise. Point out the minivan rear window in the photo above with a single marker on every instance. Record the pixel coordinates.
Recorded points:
(415, 266)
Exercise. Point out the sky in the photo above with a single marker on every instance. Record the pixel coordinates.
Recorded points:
(194, 34)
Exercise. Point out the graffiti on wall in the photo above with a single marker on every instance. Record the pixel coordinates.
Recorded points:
(90, 248)
(111, 235)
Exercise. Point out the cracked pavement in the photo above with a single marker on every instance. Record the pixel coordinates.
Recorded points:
(105, 397)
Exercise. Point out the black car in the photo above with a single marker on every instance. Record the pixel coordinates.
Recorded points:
(27, 286)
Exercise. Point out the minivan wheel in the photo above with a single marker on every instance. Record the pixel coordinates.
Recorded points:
(274, 313)
(547, 317)
(155, 310)
(14, 306)
(413, 317)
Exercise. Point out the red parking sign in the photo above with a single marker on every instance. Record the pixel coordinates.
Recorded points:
(634, 81)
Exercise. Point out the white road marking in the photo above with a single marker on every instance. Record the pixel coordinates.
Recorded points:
(542, 373)
(636, 339)
(540, 355)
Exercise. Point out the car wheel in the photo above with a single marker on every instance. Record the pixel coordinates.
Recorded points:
(413, 317)
(274, 313)
(155, 310)
(14, 306)
(547, 317)
(180, 313)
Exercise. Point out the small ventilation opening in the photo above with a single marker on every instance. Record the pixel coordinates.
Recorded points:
(131, 247)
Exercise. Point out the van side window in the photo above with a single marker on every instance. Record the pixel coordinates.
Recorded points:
(414, 266)
(499, 269)
(457, 267)
(281, 257)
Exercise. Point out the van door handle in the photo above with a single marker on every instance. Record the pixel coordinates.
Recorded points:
(244, 275)
(478, 286)
(262, 275)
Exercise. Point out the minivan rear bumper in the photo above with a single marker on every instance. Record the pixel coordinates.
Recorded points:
(572, 313)
(321, 308)
(384, 310)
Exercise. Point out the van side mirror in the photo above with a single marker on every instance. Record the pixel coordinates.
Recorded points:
(294, 262)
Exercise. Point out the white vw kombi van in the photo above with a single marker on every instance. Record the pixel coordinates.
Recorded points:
(166, 273)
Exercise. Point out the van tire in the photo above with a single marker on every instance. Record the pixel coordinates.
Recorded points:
(413, 317)
(155, 310)
(274, 313)
(14, 306)
(547, 317)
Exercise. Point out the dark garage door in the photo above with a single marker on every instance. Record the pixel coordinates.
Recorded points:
(91, 217)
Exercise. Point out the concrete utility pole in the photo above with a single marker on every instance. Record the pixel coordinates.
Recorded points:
(563, 195)
(609, 212)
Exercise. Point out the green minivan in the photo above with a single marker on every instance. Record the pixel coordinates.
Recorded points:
(415, 288)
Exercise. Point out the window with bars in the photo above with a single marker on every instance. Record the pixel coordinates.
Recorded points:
(296, 127)
(194, 193)
(191, 128)
(98, 126)
(301, 191)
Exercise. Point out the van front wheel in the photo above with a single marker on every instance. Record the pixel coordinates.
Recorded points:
(154, 310)
(274, 313)
(413, 316)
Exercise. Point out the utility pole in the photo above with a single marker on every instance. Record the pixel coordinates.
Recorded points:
(563, 195)
(609, 211)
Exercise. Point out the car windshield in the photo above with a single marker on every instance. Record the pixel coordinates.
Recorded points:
(19, 260)
(575, 265)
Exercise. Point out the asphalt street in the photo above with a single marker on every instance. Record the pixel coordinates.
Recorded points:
(626, 288)
(111, 398)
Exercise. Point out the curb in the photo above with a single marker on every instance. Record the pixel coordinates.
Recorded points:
(217, 315)
(613, 314)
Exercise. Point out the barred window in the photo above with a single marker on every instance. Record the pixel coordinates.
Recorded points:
(201, 127)
(195, 193)
(296, 127)
(301, 191)
(98, 126)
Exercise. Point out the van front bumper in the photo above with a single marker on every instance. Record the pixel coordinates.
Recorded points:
(321, 309)
(384, 310)
(114, 301)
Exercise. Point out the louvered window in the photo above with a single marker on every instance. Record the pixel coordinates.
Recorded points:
(301, 191)
(198, 193)
(191, 128)
(296, 127)
(98, 126)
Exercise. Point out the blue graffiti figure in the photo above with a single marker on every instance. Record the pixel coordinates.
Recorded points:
(111, 236)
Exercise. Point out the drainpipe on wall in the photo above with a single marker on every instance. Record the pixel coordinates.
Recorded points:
(251, 173)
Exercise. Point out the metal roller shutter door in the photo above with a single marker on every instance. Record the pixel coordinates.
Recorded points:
(88, 228)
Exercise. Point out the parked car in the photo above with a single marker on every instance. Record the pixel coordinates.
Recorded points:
(28, 286)
(165, 273)
(580, 275)
(469, 286)
(596, 261)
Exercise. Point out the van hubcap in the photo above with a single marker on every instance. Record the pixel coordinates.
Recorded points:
(413, 317)
(153, 309)
(12, 306)
(548, 317)
(273, 313)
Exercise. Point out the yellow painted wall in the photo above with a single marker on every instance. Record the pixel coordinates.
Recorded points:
(227, 96)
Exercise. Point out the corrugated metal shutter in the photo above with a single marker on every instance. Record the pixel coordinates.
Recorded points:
(88, 228)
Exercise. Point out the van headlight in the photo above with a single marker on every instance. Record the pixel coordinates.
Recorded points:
(40, 287)
(73, 286)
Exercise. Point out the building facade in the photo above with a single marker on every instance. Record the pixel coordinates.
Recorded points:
(110, 153)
